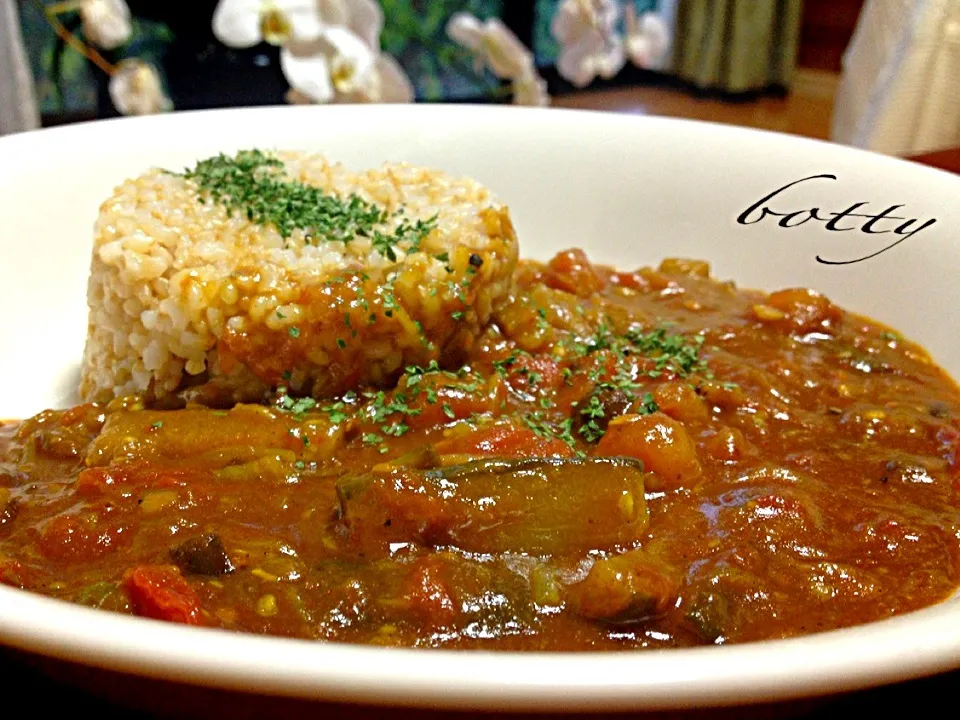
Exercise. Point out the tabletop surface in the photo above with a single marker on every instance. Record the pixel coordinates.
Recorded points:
(52, 686)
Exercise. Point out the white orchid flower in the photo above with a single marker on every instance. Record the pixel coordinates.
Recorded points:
(363, 17)
(591, 57)
(245, 23)
(342, 69)
(390, 85)
(589, 43)
(106, 23)
(135, 89)
(493, 45)
(394, 85)
(647, 37)
(576, 18)
(530, 89)
(337, 65)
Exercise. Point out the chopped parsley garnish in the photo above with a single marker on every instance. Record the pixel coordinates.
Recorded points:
(336, 412)
(674, 353)
(293, 332)
(157, 425)
(396, 429)
(252, 183)
(502, 366)
(298, 407)
(590, 430)
(547, 430)
(648, 405)
(295, 432)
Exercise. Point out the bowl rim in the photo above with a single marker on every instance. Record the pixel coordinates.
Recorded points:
(908, 646)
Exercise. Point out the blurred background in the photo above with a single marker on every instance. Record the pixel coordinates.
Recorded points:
(879, 74)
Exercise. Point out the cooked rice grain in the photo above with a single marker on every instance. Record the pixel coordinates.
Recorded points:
(183, 294)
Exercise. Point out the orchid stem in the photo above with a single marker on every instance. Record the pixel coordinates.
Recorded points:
(72, 41)
(59, 8)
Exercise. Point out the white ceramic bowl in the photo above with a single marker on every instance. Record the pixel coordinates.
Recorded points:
(630, 190)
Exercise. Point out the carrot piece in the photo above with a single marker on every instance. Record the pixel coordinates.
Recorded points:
(160, 592)
(662, 443)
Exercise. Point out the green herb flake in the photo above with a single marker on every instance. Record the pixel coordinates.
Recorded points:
(648, 405)
(293, 332)
(252, 183)
(396, 429)
(336, 412)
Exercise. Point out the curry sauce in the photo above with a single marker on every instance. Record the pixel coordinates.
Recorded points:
(623, 460)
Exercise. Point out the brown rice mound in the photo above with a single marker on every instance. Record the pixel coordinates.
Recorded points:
(187, 298)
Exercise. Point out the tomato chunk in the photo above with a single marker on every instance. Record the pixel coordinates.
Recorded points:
(505, 440)
(160, 592)
(429, 594)
(573, 272)
(96, 480)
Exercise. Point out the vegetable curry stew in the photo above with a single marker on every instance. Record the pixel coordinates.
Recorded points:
(623, 460)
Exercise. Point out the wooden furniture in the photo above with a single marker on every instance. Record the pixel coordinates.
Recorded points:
(825, 32)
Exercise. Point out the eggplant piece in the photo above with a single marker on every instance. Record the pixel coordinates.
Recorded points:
(212, 438)
(105, 596)
(709, 616)
(543, 506)
(202, 555)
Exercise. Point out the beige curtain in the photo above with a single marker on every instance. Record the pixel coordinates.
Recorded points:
(737, 45)
(18, 105)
